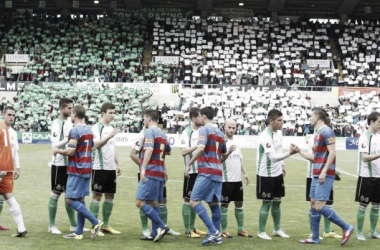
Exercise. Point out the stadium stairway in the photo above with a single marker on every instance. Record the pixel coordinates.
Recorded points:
(334, 51)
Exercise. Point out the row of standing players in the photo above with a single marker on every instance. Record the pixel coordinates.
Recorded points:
(213, 166)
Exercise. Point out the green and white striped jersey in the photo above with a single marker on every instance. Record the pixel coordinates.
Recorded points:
(369, 143)
(269, 142)
(60, 130)
(104, 157)
(189, 138)
(232, 165)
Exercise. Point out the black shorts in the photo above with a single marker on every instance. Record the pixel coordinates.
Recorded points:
(368, 190)
(232, 191)
(164, 196)
(103, 181)
(188, 184)
(269, 187)
(308, 185)
(58, 178)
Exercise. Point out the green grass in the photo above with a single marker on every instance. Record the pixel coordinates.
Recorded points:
(32, 191)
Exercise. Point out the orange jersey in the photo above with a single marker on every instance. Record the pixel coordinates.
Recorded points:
(6, 161)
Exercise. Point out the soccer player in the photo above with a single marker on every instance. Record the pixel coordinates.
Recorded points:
(328, 233)
(153, 175)
(208, 185)
(368, 187)
(270, 174)
(135, 155)
(79, 152)
(232, 189)
(323, 158)
(59, 139)
(9, 116)
(189, 142)
(6, 171)
(105, 166)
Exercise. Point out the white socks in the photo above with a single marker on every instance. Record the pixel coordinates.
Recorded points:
(15, 210)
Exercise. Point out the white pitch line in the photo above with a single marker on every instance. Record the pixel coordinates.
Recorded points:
(340, 170)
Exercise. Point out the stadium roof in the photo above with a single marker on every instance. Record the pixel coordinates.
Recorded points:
(311, 8)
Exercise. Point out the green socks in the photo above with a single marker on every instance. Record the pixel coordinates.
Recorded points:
(276, 214)
(373, 217)
(94, 208)
(164, 213)
(186, 215)
(71, 213)
(106, 210)
(327, 224)
(144, 220)
(1, 203)
(239, 215)
(263, 216)
(53, 201)
(193, 216)
(224, 218)
(360, 220)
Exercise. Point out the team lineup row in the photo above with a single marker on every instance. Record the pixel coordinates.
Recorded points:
(212, 174)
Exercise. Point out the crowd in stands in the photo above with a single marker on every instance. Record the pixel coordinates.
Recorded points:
(250, 107)
(358, 45)
(245, 52)
(205, 51)
(80, 49)
(37, 106)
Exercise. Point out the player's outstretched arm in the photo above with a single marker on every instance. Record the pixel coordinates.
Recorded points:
(134, 157)
(197, 153)
(102, 142)
(147, 156)
(367, 158)
(69, 151)
(187, 151)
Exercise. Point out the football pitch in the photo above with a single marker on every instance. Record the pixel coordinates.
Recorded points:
(32, 190)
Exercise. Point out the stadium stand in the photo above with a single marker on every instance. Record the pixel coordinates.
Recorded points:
(245, 52)
(82, 49)
(358, 45)
(37, 106)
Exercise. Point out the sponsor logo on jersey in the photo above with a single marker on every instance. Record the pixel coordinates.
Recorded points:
(183, 141)
(138, 144)
(201, 138)
(268, 145)
(363, 145)
(54, 134)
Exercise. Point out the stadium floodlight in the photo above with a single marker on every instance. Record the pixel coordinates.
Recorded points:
(241, 4)
(96, 2)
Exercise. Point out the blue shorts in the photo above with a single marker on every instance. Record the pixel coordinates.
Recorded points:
(150, 190)
(77, 187)
(320, 192)
(206, 190)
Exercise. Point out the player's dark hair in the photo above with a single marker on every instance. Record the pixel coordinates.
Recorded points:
(273, 114)
(194, 112)
(209, 112)
(322, 114)
(152, 114)
(63, 102)
(106, 106)
(373, 117)
(8, 108)
(79, 111)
